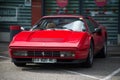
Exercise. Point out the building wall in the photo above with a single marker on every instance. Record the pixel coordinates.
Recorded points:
(51, 8)
(106, 15)
(19, 12)
(13, 12)
(119, 26)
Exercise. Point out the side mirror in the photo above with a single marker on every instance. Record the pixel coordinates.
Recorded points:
(97, 30)
(22, 28)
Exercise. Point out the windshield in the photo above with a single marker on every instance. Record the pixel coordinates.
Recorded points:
(74, 24)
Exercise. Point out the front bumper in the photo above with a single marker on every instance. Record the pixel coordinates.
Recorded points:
(79, 56)
(59, 61)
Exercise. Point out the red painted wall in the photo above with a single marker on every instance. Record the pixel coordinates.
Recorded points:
(36, 10)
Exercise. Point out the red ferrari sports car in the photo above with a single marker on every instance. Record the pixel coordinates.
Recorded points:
(60, 39)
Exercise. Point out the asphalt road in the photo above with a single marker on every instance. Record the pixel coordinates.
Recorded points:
(103, 69)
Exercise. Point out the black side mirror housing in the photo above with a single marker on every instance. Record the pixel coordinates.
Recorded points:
(22, 28)
(97, 30)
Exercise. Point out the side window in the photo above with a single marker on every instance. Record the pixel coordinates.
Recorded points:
(91, 26)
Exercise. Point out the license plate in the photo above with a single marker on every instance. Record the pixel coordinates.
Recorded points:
(39, 60)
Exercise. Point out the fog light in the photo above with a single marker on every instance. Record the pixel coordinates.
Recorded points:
(20, 53)
(67, 54)
(73, 55)
(62, 55)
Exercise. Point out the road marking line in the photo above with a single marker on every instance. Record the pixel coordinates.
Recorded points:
(4, 57)
(73, 72)
(111, 75)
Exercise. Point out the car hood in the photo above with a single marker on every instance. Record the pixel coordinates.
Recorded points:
(48, 38)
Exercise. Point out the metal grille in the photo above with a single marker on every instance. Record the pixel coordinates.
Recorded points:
(44, 53)
(51, 7)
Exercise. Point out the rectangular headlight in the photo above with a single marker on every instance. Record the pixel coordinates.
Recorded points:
(20, 53)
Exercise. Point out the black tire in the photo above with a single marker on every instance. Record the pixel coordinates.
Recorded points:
(20, 64)
(103, 51)
(89, 61)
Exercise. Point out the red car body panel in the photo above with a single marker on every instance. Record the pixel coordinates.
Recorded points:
(46, 40)
(57, 40)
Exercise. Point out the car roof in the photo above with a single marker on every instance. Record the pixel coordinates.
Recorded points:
(64, 16)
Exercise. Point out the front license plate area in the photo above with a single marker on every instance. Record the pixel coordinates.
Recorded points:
(40, 60)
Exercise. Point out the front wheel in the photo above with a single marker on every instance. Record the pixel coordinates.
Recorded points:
(89, 60)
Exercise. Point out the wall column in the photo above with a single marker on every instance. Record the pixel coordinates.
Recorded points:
(36, 10)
